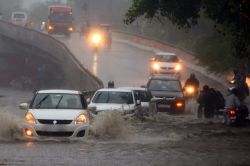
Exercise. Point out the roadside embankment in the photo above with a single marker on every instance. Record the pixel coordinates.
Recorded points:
(41, 61)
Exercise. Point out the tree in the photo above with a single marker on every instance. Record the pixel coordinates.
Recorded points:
(231, 17)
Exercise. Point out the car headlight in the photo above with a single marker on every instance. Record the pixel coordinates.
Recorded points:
(81, 119)
(178, 67)
(156, 66)
(190, 89)
(50, 27)
(70, 29)
(96, 38)
(29, 118)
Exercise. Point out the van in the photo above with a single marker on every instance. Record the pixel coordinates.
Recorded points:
(19, 18)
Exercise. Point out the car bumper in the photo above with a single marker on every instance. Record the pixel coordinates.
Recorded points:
(163, 105)
(46, 130)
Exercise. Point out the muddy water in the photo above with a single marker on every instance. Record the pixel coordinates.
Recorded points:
(160, 140)
(10, 126)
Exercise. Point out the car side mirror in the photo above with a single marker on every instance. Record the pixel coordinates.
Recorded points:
(88, 100)
(24, 106)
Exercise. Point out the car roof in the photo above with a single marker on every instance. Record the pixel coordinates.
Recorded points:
(105, 25)
(165, 54)
(24, 13)
(59, 91)
(133, 88)
(164, 77)
(115, 90)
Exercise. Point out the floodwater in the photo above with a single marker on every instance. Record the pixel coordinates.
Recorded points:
(161, 139)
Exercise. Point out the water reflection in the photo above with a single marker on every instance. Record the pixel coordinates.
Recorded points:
(29, 144)
(95, 63)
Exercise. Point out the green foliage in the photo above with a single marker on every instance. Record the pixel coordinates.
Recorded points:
(231, 17)
(215, 50)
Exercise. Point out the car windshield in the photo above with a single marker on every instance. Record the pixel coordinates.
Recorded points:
(113, 97)
(165, 85)
(19, 15)
(142, 95)
(58, 101)
(61, 17)
(167, 58)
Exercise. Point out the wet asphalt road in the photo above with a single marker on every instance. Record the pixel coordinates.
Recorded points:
(168, 140)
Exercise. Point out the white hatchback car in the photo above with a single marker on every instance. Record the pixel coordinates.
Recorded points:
(165, 63)
(119, 99)
(56, 113)
(19, 18)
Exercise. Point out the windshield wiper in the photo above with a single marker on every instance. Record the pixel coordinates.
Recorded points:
(57, 105)
(41, 101)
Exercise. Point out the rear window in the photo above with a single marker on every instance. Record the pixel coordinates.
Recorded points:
(167, 58)
(19, 15)
(113, 97)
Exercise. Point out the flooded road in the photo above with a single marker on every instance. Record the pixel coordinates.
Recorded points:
(163, 140)
(175, 140)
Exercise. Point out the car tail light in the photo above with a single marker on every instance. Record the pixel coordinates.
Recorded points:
(232, 112)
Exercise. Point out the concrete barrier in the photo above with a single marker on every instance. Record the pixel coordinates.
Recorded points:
(76, 76)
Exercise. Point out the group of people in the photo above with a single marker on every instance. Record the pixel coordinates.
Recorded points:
(211, 100)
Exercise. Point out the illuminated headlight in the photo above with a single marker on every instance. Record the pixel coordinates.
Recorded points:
(70, 29)
(50, 27)
(96, 38)
(28, 132)
(156, 66)
(190, 90)
(232, 81)
(29, 118)
(81, 119)
(178, 67)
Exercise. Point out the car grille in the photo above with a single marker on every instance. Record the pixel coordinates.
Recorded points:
(167, 68)
(45, 121)
(54, 134)
(164, 105)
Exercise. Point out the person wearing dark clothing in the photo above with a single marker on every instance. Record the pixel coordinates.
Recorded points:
(241, 85)
(207, 102)
(111, 84)
(192, 80)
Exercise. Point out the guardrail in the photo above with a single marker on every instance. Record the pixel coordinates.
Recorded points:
(77, 77)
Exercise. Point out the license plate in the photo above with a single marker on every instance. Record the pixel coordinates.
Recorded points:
(163, 106)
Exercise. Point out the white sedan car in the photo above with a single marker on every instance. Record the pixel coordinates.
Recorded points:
(56, 113)
(119, 99)
(165, 63)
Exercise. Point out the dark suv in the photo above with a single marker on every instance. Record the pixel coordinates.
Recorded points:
(167, 93)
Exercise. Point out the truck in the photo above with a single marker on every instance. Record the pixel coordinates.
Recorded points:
(60, 20)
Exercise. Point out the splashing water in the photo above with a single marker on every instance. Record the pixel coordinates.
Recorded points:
(10, 128)
(110, 124)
